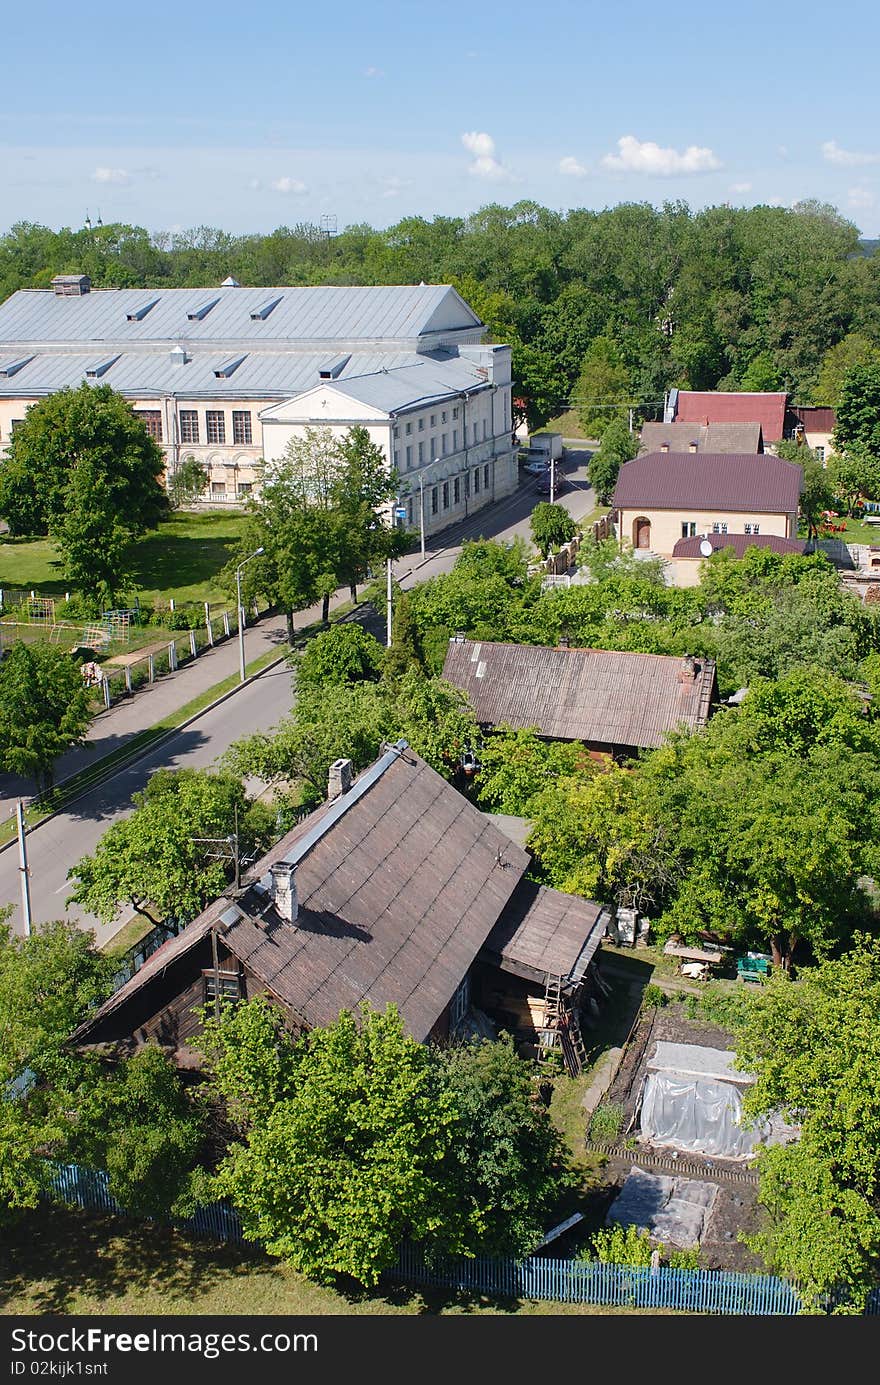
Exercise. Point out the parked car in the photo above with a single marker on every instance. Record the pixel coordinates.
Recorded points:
(560, 482)
(536, 467)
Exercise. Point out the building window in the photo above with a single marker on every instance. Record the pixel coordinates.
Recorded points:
(485, 429)
(421, 453)
(458, 1006)
(245, 488)
(215, 423)
(397, 458)
(152, 421)
(230, 985)
(689, 528)
(477, 481)
(467, 484)
(408, 428)
(15, 423)
(820, 453)
(189, 425)
(395, 433)
(408, 456)
(241, 426)
(719, 528)
(756, 528)
(443, 444)
(455, 413)
(434, 505)
(442, 415)
(409, 508)
(433, 420)
(455, 439)
(486, 476)
(421, 425)
(218, 488)
(446, 495)
(456, 492)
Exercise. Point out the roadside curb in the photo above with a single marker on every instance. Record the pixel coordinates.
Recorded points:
(146, 750)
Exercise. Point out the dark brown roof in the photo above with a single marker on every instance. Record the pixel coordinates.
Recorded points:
(690, 548)
(400, 881)
(600, 696)
(719, 406)
(712, 437)
(543, 931)
(816, 418)
(709, 481)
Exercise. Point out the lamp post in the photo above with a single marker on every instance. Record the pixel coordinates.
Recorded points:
(256, 554)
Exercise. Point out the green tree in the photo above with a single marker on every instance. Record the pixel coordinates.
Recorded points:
(761, 375)
(90, 428)
(517, 764)
(858, 410)
(93, 536)
(853, 475)
(604, 389)
(154, 861)
(854, 349)
(349, 1159)
(188, 482)
(618, 445)
(346, 653)
(814, 1047)
(363, 487)
(552, 526)
(44, 709)
(435, 718)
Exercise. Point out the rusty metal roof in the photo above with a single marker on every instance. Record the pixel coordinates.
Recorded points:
(600, 696)
(400, 882)
(726, 482)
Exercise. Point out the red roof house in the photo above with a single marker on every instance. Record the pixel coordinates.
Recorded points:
(718, 406)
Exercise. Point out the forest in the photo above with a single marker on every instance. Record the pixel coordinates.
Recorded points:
(623, 303)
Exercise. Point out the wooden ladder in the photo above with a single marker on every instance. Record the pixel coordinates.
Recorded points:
(549, 1033)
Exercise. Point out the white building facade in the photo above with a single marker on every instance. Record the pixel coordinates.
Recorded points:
(229, 375)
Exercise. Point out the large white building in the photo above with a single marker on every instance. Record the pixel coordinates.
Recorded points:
(229, 375)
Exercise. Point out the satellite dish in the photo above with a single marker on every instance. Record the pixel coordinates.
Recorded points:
(706, 548)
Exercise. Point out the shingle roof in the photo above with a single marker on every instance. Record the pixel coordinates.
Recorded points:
(690, 548)
(714, 437)
(600, 696)
(718, 406)
(400, 882)
(709, 481)
(323, 314)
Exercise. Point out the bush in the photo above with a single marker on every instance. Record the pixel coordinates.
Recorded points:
(606, 1122)
(654, 997)
(188, 618)
(717, 1005)
(684, 1259)
(620, 1245)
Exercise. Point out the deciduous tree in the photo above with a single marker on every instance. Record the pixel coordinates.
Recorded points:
(45, 709)
(551, 526)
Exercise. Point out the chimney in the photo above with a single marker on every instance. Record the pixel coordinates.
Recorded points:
(284, 890)
(339, 778)
(664, 447)
(688, 671)
(693, 446)
(178, 355)
(564, 642)
(71, 285)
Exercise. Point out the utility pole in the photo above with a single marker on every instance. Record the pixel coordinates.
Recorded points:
(630, 420)
(23, 868)
(552, 475)
(388, 604)
(238, 571)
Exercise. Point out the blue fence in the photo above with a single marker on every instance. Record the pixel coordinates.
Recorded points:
(558, 1281)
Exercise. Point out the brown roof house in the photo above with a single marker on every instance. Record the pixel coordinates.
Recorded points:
(616, 703)
(688, 554)
(701, 437)
(397, 890)
(663, 497)
(722, 406)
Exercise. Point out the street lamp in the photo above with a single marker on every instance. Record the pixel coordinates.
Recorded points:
(241, 673)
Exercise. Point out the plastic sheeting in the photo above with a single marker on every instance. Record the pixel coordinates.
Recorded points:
(673, 1210)
(697, 1114)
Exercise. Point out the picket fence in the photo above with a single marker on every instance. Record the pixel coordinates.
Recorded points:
(557, 1281)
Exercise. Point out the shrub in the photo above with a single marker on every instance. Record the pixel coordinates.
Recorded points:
(654, 997)
(606, 1122)
(718, 1005)
(684, 1259)
(620, 1245)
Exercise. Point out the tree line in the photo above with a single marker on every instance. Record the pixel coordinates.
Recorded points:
(612, 306)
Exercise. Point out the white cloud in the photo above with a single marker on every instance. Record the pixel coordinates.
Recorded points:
(637, 156)
(861, 198)
(846, 158)
(485, 164)
(392, 187)
(289, 185)
(572, 168)
(740, 187)
(373, 72)
(119, 176)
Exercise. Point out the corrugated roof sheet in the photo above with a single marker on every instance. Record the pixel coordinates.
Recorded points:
(718, 406)
(396, 897)
(600, 696)
(709, 481)
(714, 437)
(690, 548)
(322, 314)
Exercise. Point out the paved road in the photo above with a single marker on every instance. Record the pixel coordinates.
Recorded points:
(58, 843)
(64, 839)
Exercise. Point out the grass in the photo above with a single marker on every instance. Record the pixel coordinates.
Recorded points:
(569, 425)
(856, 532)
(180, 559)
(58, 1260)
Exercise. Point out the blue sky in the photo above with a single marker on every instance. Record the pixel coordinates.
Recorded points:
(254, 115)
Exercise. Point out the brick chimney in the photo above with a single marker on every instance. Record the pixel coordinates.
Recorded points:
(688, 671)
(693, 446)
(664, 447)
(284, 894)
(339, 778)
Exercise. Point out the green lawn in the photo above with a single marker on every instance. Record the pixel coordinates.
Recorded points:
(856, 531)
(58, 1260)
(181, 559)
(568, 424)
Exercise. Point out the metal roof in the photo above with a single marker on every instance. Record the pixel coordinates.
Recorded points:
(734, 482)
(300, 316)
(709, 437)
(394, 388)
(600, 696)
(721, 406)
(690, 548)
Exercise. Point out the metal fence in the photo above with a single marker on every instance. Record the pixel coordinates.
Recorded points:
(556, 1281)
